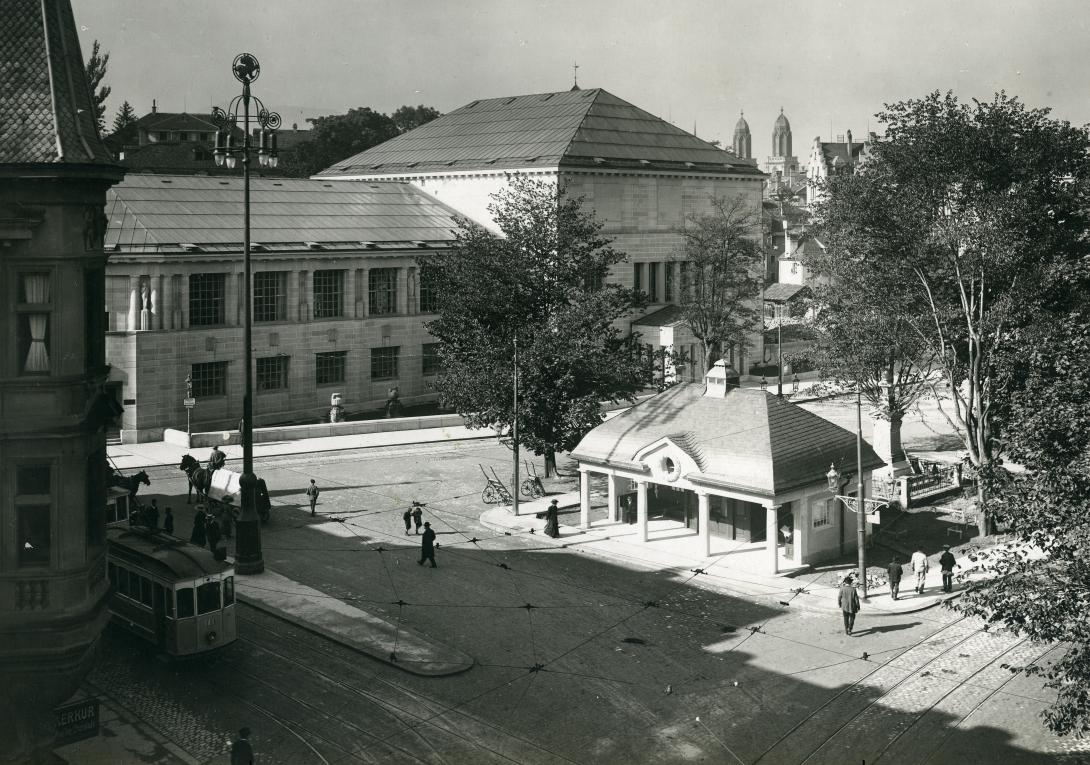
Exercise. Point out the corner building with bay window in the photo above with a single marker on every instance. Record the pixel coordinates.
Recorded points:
(338, 304)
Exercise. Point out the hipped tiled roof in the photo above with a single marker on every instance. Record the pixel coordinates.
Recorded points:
(164, 211)
(749, 440)
(567, 129)
(46, 112)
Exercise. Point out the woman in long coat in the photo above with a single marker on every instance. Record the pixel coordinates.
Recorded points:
(198, 536)
(552, 520)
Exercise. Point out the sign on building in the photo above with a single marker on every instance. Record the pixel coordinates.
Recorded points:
(77, 721)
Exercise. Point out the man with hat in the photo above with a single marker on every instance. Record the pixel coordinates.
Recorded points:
(241, 751)
(848, 600)
(427, 546)
(946, 564)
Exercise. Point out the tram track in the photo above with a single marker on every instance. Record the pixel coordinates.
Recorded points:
(434, 709)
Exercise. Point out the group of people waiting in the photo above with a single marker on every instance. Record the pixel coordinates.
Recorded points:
(148, 515)
(212, 531)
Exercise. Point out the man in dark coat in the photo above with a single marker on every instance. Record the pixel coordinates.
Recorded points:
(427, 546)
(216, 459)
(199, 536)
(168, 521)
(151, 514)
(241, 751)
(848, 600)
(895, 572)
(418, 515)
(407, 516)
(946, 564)
(212, 528)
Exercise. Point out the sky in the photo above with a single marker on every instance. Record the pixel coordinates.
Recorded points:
(830, 65)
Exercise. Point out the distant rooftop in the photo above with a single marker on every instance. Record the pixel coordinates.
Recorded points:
(577, 128)
(164, 212)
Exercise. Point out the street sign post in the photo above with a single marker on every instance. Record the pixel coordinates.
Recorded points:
(189, 402)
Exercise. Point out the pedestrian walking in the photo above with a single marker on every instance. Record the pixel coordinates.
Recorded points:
(946, 565)
(895, 572)
(168, 521)
(407, 516)
(848, 600)
(552, 520)
(418, 515)
(213, 532)
(312, 495)
(920, 566)
(427, 545)
(242, 753)
(216, 459)
(199, 536)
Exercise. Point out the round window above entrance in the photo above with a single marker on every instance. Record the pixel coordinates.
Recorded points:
(671, 469)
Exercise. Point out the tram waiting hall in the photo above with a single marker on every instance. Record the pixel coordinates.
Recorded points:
(739, 469)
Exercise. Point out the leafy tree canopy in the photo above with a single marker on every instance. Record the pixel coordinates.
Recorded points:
(722, 265)
(540, 282)
(411, 117)
(948, 225)
(96, 72)
(340, 136)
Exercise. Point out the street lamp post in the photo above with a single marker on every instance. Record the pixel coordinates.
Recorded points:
(248, 558)
(857, 504)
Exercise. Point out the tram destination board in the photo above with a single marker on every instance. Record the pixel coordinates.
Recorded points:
(76, 721)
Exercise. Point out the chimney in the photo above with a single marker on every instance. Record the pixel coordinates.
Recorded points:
(720, 380)
(153, 108)
(848, 140)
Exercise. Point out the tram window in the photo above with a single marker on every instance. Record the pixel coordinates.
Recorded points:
(145, 591)
(185, 602)
(228, 591)
(123, 581)
(112, 573)
(168, 602)
(208, 597)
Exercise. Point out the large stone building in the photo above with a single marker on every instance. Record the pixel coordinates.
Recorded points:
(831, 157)
(338, 306)
(640, 175)
(54, 173)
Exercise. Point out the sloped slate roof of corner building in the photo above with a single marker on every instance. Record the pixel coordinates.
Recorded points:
(164, 211)
(749, 439)
(46, 114)
(840, 151)
(568, 128)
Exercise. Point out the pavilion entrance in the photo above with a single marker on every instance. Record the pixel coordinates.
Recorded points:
(673, 504)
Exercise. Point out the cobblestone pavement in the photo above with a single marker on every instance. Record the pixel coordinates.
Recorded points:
(579, 658)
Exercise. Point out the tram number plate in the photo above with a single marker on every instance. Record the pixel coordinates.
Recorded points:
(75, 722)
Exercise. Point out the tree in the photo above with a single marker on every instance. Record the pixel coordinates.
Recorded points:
(337, 137)
(539, 283)
(96, 72)
(861, 342)
(1046, 595)
(721, 263)
(949, 224)
(411, 117)
(125, 123)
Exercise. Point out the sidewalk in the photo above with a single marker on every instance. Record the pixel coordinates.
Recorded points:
(731, 568)
(343, 623)
(154, 453)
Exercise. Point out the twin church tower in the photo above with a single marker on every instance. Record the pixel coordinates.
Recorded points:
(782, 164)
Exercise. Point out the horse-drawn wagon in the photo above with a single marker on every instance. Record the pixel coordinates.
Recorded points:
(221, 491)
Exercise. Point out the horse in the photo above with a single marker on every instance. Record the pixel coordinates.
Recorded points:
(199, 478)
(131, 483)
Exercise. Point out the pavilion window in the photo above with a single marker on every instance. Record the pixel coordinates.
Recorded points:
(270, 296)
(429, 294)
(272, 373)
(209, 379)
(34, 312)
(328, 294)
(329, 368)
(822, 513)
(384, 362)
(382, 291)
(207, 300)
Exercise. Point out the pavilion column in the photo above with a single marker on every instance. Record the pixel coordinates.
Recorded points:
(641, 511)
(772, 540)
(584, 499)
(704, 518)
(349, 293)
(305, 288)
(166, 301)
(611, 486)
(133, 319)
(156, 301)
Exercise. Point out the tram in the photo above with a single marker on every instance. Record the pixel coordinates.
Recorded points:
(172, 594)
